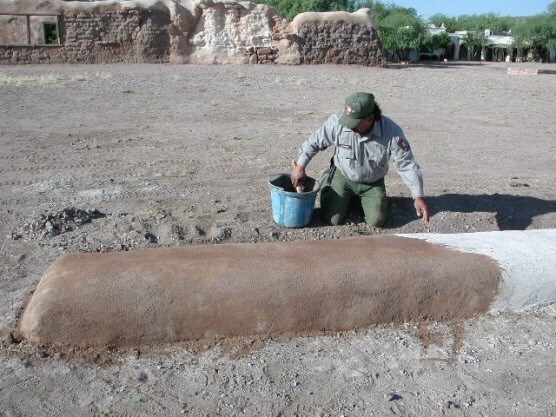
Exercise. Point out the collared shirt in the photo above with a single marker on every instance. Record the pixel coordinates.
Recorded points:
(364, 158)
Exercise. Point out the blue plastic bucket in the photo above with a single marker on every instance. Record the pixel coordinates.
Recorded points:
(289, 208)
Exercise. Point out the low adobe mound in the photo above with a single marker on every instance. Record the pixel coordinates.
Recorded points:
(167, 295)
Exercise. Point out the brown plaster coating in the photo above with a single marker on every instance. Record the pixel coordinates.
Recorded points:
(167, 295)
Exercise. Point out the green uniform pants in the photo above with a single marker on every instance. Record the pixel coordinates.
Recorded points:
(336, 197)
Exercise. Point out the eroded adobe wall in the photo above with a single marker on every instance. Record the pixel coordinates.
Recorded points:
(189, 31)
(342, 43)
(235, 32)
(336, 38)
(135, 36)
(245, 32)
(89, 35)
(125, 36)
(13, 29)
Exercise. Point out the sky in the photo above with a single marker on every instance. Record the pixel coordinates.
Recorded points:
(454, 8)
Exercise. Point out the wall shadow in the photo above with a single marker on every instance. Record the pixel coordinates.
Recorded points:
(436, 65)
(512, 212)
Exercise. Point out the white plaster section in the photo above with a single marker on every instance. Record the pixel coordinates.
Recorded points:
(527, 258)
(360, 17)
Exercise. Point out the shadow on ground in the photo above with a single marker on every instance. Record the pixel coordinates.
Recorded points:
(435, 65)
(512, 212)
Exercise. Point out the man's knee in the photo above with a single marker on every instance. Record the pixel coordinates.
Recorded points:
(376, 212)
(333, 206)
(331, 213)
(376, 220)
(335, 219)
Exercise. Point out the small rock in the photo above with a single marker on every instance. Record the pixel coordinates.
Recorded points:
(392, 396)
(150, 237)
(452, 404)
(13, 339)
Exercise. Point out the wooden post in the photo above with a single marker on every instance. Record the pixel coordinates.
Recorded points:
(28, 29)
(58, 29)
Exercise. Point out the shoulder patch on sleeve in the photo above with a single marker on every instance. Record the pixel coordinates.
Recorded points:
(403, 144)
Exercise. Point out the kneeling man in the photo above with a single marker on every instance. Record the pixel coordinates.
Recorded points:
(364, 141)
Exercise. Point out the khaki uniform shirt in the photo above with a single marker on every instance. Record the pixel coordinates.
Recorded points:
(364, 158)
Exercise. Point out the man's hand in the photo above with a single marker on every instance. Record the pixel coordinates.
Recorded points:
(298, 173)
(422, 209)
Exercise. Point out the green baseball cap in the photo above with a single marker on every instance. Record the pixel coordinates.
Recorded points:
(358, 107)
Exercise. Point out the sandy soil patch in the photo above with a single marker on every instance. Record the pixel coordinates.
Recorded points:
(120, 157)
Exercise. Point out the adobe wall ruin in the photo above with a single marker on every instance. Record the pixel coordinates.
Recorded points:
(337, 38)
(136, 36)
(100, 32)
(192, 31)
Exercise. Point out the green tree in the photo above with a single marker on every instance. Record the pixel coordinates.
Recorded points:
(402, 32)
(538, 32)
(400, 29)
(379, 10)
(474, 42)
(440, 41)
(552, 8)
(484, 21)
(441, 19)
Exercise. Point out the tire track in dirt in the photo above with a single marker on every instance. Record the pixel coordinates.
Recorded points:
(65, 167)
(107, 164)
(83, 199)
(120, 196)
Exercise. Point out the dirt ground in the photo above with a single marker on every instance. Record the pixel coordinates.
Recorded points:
(120, 157)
